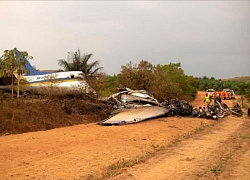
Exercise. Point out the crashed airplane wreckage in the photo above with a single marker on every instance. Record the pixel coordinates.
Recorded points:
(132, 106)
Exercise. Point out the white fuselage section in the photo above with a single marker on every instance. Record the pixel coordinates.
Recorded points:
(68, 80)
(57, 75)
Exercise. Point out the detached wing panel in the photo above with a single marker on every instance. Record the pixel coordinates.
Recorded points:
(135, 115)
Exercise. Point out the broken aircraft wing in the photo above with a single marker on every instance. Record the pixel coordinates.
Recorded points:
(135, 115)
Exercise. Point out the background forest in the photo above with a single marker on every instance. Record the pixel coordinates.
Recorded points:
(165, 81)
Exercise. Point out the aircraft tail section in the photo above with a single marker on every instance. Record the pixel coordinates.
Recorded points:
(28, 65)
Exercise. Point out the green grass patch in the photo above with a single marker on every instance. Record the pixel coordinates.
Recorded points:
(221, 165)
(247, 136)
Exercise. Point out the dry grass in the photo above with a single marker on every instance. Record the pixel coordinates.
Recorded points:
(39, 114)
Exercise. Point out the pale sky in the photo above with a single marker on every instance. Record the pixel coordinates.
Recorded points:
(208, 38)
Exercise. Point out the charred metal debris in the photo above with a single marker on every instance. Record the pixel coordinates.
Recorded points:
(127, 99)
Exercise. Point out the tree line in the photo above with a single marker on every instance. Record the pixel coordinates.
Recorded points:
(163, 81)
(239, 87)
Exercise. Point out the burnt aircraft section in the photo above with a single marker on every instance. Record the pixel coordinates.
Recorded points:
(128, 98)
(132, 106)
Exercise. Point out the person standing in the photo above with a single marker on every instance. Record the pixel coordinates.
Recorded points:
(217, 102)
(217, 98)
(207, 99)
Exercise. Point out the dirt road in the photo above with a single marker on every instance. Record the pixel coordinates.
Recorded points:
(220, 152)
(90, 151)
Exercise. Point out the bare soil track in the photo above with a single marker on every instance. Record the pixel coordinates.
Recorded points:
(179, 148)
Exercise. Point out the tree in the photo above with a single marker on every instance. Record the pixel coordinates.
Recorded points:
(136, 76)
(76, 62)
(105, 85)
(169, 81)
(165, 81)
(13, 63)
(7, 66)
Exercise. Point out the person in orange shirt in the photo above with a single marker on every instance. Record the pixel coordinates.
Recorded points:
(223, 95)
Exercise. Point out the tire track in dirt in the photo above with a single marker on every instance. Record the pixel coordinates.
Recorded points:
(238, 148)
(198, 157)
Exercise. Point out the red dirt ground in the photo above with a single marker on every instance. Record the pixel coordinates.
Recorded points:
(221, 151)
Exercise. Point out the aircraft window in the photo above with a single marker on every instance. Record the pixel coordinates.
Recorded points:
(72, 76)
